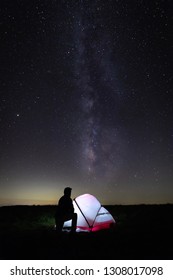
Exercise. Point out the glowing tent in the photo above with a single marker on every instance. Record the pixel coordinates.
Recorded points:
(92, 216)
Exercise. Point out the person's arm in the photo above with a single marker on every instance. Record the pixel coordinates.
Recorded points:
(71, 207)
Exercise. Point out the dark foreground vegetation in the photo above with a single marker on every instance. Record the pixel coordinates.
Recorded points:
(141, 232)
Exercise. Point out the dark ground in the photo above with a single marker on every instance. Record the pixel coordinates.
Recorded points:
(141, 232)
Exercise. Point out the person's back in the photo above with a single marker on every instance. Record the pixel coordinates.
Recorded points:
(65, 211)
(65, 205)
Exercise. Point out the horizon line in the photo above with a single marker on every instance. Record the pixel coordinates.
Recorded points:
(137, 204)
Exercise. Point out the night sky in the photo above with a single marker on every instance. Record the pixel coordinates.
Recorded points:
(86, 100)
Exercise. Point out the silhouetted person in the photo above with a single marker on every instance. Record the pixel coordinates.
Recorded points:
(65, 211)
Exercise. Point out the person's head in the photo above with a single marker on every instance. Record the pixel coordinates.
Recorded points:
(67, 191)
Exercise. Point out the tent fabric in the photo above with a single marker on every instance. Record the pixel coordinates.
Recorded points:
(92, 216)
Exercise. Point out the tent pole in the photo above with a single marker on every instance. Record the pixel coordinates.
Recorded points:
(96, 215)
(82, 213)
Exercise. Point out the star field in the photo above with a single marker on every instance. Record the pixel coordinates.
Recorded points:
(86, 101)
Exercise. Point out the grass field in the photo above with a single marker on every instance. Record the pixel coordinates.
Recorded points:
(141, 232)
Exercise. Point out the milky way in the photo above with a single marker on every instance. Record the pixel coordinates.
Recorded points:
(100, 143)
